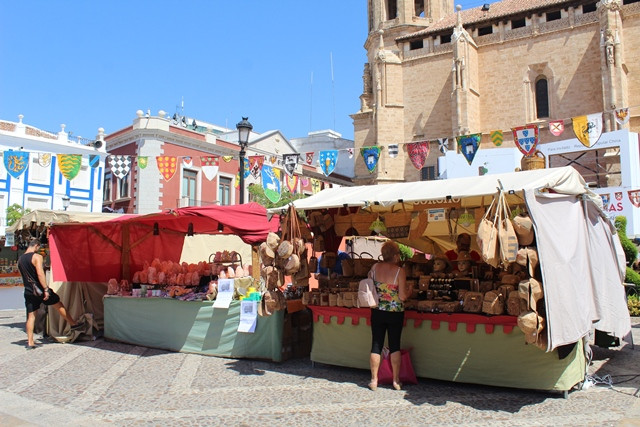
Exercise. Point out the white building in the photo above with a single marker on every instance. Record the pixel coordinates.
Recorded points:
(42, 185)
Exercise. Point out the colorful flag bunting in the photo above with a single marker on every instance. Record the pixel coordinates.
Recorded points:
(16, 162)
(622, 115)
(119, 165)
(143, 161)
(497, 137)
(271, 183)
(44, 159)
(588, 129)
(418, 152)
(210, 166)
(443, 145)
(469, 145)
(167, 165)
(556, 127)
(370, 155)
(70, 165)
(94, 160)
(256, 163)
(290, 162)
(292, 183)
(328, 161)
(309, 158)
(526, 138)
(393, 150)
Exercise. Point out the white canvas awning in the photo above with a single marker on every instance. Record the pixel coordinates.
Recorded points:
(579, 249)
(53, 217)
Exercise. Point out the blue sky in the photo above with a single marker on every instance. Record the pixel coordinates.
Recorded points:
(91, 64)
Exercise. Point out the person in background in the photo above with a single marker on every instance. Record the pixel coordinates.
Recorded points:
(463, 243)
(388, 318)
(323, 273)
(37, 292)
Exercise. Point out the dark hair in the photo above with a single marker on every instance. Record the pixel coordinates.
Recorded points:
(34, 242)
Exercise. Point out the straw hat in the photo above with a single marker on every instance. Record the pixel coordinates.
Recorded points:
(523, 226)
(531, 325)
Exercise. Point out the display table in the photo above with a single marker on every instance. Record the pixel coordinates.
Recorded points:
(459, 347)
(191, 327)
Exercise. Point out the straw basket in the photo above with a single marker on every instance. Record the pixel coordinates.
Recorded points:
(535, 161)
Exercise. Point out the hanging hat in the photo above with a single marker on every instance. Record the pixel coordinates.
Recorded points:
(523, 226)
(531, 325)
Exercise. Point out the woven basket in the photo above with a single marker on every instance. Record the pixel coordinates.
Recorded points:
(535, 161)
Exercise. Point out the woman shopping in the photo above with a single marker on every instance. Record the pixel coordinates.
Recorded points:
(388, 317)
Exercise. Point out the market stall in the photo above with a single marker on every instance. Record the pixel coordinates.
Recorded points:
(464, 325)
(121, 251)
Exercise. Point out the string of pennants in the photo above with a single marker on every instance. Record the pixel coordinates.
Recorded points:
(587, 129)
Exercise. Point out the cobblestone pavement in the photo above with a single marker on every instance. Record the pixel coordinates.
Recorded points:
(100, 382)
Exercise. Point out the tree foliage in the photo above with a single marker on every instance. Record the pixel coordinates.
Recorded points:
(258, 196)
(15, 212)
(630, 250)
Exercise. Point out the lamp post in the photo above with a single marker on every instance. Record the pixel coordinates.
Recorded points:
(66, 201)
(244, 129)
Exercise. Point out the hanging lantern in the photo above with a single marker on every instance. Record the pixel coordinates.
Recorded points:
(466, 219)
(377, 226)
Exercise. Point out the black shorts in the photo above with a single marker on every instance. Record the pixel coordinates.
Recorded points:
(32, 302)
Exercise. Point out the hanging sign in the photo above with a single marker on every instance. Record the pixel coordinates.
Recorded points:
(256, 163)
(497, 137)
(167, 165)
(443, 145)
(120, 165)
(292, 183)
(556, 127)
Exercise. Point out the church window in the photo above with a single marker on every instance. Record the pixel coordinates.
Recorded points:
(392, 9)
(483, 31)
(418, 6)
(553, 16)
(416, 44)
(542, 98)
(590, 7)
(445, 38)
(518, 23)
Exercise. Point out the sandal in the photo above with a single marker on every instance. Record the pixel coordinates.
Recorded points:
(373, 385)
(397, 386)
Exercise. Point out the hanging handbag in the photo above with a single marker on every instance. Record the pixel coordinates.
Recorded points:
(507, 235)
(367, 293)
(487, 237)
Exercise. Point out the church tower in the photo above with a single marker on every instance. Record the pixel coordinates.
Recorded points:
(380, 121)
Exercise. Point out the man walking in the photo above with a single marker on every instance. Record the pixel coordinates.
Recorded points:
(36, 290)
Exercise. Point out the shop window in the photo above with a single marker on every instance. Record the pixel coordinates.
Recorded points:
(392, 9)
(588, 8)
(106, 192)
(600, 168)
(553, 16)
(224, 190)
(483, 31)
(123, 187)
(428, 173)
(445, 38)
(416, 44)
(518, 23)
(418, 7)
(542, 98)
(189, 185)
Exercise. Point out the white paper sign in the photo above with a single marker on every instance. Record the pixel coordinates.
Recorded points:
(248, 316)
(225, 293)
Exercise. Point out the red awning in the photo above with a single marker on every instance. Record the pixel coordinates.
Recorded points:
(99, 251)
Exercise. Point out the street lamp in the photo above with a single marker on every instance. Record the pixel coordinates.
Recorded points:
(244, 129)
(66, 201)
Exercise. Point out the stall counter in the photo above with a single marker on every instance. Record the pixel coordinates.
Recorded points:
(191, 327)
(458, 347)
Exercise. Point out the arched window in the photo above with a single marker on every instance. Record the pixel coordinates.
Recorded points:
(392, 9)
(542, 98)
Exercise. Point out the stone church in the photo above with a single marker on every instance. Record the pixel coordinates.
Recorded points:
(435, 71)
